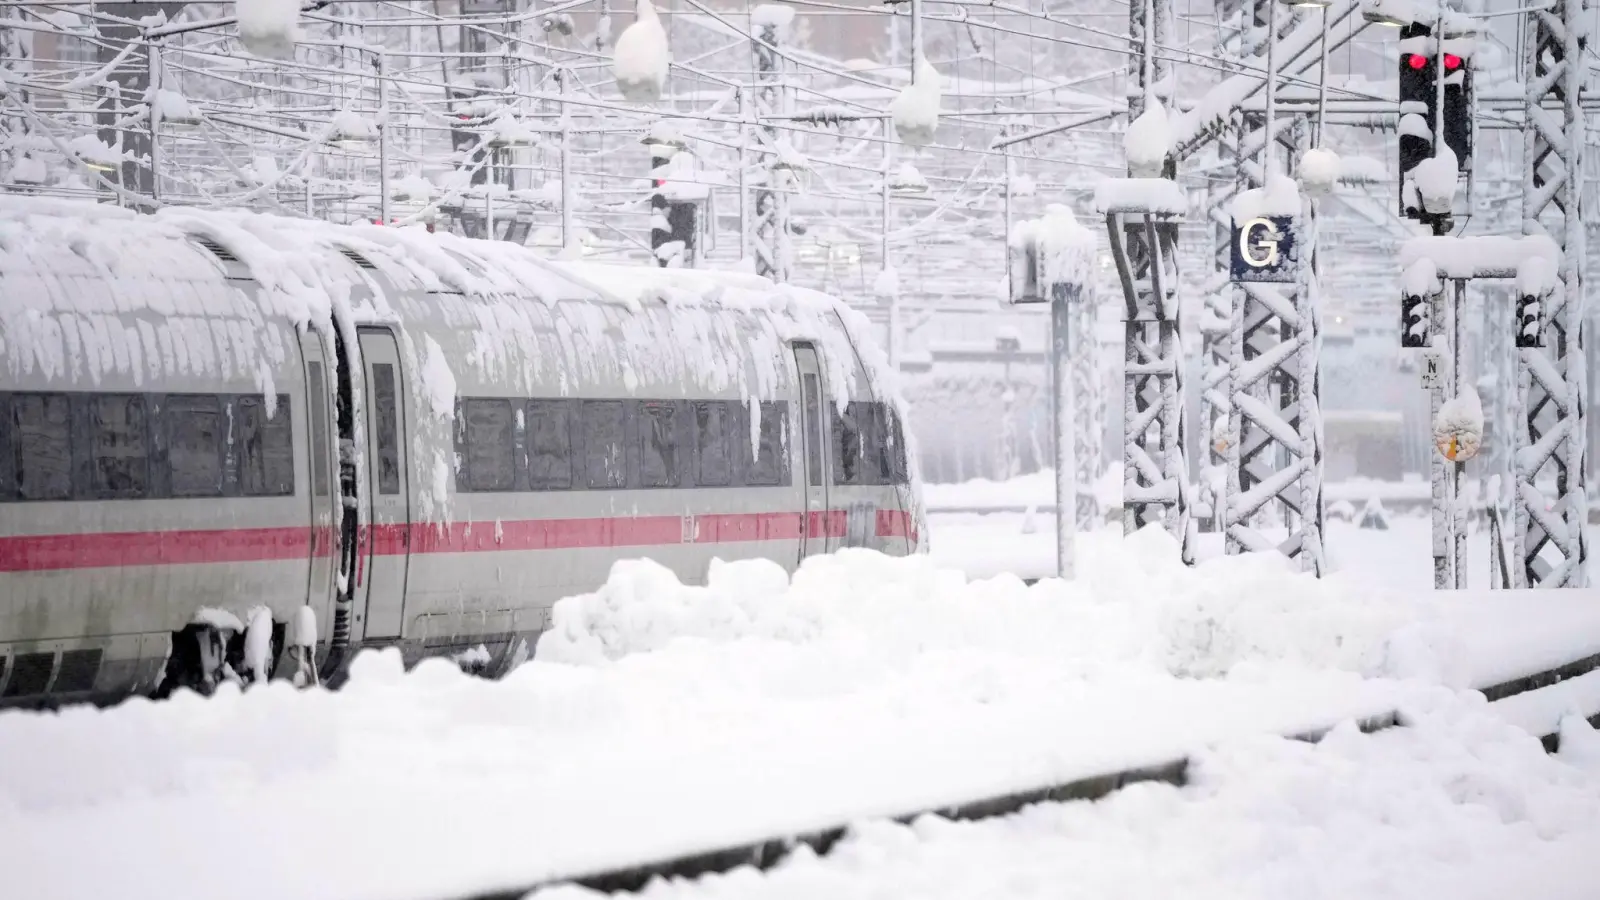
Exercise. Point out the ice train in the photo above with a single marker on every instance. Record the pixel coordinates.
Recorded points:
(240, 446)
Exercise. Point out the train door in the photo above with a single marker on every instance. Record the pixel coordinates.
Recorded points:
(322, 469)
(388, 538)
(813, 432)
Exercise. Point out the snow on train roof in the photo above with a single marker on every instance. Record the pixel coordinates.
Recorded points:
(306, 275)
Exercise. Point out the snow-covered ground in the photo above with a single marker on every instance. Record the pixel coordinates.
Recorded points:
(1455, 807)
(985, 544)
(660, 719)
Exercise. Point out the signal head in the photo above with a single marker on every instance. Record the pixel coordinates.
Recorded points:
(1452, 62)
(1416, 60)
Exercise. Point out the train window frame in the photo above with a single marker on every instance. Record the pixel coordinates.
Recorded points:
(14, 446)
(588, 417)
(756, 474)
(172, 409)
(544, 479)
(468, 475)
(284, 487)
(386, 412)
(8, 462)
(317, 393)
(657, 469)
(814, 408)
(90, 410)
(722, 444)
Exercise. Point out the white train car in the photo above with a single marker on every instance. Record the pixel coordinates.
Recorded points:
(218, 430)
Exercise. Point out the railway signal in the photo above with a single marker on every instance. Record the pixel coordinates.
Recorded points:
(1433, 83)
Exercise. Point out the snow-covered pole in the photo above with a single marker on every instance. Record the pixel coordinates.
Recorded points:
(1549, 531)
(916, 40)
(1322, 81)
(382, 65)
(745, 124)
(772, 254)
(1269, 152)
(569, 234)
(153, 76)
(1063, 297)
(1458, 524)
(892, 345)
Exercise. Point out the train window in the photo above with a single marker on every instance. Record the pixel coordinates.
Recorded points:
(490, 452)
(266, 448)
(713, 444)
(771, 463)
(388, 428)
(850, 429)
(41, 446)
(549, 445)
(658, 444)
(194, 445)
(604, 462)
(813, 398)
(319, 429)
(119, 460)
(896, 470)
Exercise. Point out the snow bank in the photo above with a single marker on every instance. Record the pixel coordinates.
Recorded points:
(660, 719)
(269, 28)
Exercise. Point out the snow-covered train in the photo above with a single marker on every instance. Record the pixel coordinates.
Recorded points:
(237, 445)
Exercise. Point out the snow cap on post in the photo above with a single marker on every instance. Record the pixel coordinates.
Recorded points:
(642, 59)
(772, 15)
(1458, 429)
(1319, 172)
(916, 110)
(1435, 181)
(269, 28)
(1148, 142)
(1281, 197)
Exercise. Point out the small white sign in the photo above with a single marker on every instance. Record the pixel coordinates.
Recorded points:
(1430, 370)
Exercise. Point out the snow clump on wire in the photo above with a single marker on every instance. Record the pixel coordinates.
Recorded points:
(1148, 141)
(642, 57)
(916, 110)
(269, 28)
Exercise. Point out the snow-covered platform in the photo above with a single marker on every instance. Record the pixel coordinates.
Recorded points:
(660, 721)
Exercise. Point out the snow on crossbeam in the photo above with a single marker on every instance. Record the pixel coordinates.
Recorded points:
(1484, 256)
(1154, 195)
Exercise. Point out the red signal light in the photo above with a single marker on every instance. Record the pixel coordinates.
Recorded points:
(1416, 61)
(1452, 62)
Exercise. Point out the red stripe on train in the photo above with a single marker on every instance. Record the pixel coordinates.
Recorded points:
(38, 553)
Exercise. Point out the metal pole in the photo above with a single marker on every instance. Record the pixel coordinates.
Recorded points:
(383, 138)
(569, 235)
(883, 248)
(1436, 372)
(1269, 152)
(745, 120)
(1062, 298)
(153, 76)
(1322, 79)
(916, 39)
(1458, 509)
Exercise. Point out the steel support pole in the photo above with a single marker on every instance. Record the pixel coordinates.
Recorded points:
(1273, 442)
(569, 231)
(1548, 528)
(382, 66)
(773, 256)
(1063, 297)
